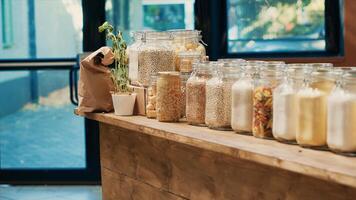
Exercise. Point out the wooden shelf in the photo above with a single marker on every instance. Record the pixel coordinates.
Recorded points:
(320, 164)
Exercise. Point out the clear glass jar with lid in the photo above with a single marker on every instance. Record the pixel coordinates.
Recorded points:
(242, 98)
(156, 54)
(266, 80)
(285, 112)
(186, 60)
(218, 95)
(341, 131)
(132, 50)
(196, 93)
(312, 104)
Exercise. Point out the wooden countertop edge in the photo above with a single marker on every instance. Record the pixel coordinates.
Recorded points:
(311, 164)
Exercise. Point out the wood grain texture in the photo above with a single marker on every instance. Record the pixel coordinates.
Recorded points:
(319, 164)
(144, 165)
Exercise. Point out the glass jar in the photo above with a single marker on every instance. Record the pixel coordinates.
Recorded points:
(312, 103)
(186, 60)
(196, 95)
(242, 99)
(132, 50)
(151, 98)
(187, 41)
(184, 76)
(285, 112)
(341, 131)
(218, 95)
(169, 94)
(156, 54)
(266, 80)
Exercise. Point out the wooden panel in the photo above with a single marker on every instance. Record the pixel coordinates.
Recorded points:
(319, 164)
(194, 173)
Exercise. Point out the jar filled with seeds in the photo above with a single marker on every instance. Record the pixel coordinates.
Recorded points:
(267, 78)
(184, 78)
(186, 60)
(218, 95)
(196, 95)
(242, 99)
(151, 98)
(312, 103)
(156, 54)
(169, 95)
(132, 50)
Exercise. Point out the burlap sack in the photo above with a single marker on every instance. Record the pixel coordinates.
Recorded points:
(95, 83)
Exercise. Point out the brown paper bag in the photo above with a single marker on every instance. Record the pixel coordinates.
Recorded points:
(95, 83)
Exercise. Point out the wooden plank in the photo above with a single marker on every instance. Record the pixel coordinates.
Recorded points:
(162, 166)
(319, 164)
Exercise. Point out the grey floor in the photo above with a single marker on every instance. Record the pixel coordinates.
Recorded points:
(50, 192)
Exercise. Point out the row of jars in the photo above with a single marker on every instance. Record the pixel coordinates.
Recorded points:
(312, 105)
(153, 52)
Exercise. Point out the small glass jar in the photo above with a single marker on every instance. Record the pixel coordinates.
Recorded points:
(156, 54)
(151, 98)
(285, 112)
(312, 104)
(218, 95)
(242, 99)
(196, 93)
(186, 60)
(169, 95)
(132, 50)
(341, 131)
(266, 80)
(184, 76)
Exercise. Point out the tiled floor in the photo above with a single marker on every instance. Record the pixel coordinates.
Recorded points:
(50, 192)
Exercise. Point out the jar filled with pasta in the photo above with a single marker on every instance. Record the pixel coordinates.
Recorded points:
(151, 98)
(169, 95)
(242, 99)
(218, 95)
(196, 93)
(132, 50)
(156, 54)
(312, 104)
(266, 80)
(341, 131)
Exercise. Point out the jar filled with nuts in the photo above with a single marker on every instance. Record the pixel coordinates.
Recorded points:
(186, 60)
(169, 95)
(267, 78)
(195, 93)
(151, 98)
(132, 51)
(218, 95)
(156, 54)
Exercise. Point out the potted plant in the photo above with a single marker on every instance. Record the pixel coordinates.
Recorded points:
(123, 97)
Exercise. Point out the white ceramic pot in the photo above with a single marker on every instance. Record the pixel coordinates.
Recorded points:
(124, 103)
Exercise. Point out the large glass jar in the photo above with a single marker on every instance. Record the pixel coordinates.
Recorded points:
(196, 95)
(312, 104)
(285, 112)
(187, 41)
(242, 99)
(341, 131)
(218, 95)
(132, 50)
(156, 54)
(266, 80)
(169, 95)
(151, 98)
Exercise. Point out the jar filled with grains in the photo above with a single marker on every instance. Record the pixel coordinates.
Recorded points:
(242, 99)
(312, 103)
(169, 95)
(151, 98)
(196, 95)
(184, 76)
(218, 95)
(267, 78)
(156, 54)
(341, 131)
(132, 50)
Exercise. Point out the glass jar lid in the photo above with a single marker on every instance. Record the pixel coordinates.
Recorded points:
(155, 35)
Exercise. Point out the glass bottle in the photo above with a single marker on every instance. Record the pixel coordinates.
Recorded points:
(156, 54)
(242, 99)
(151, 98)
(218, 95)
(266, 80)
(132, 50)
(341, 131)
(312, 104)
(196, 93)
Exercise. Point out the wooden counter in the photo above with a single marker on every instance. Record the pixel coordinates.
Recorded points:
(145, 159)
